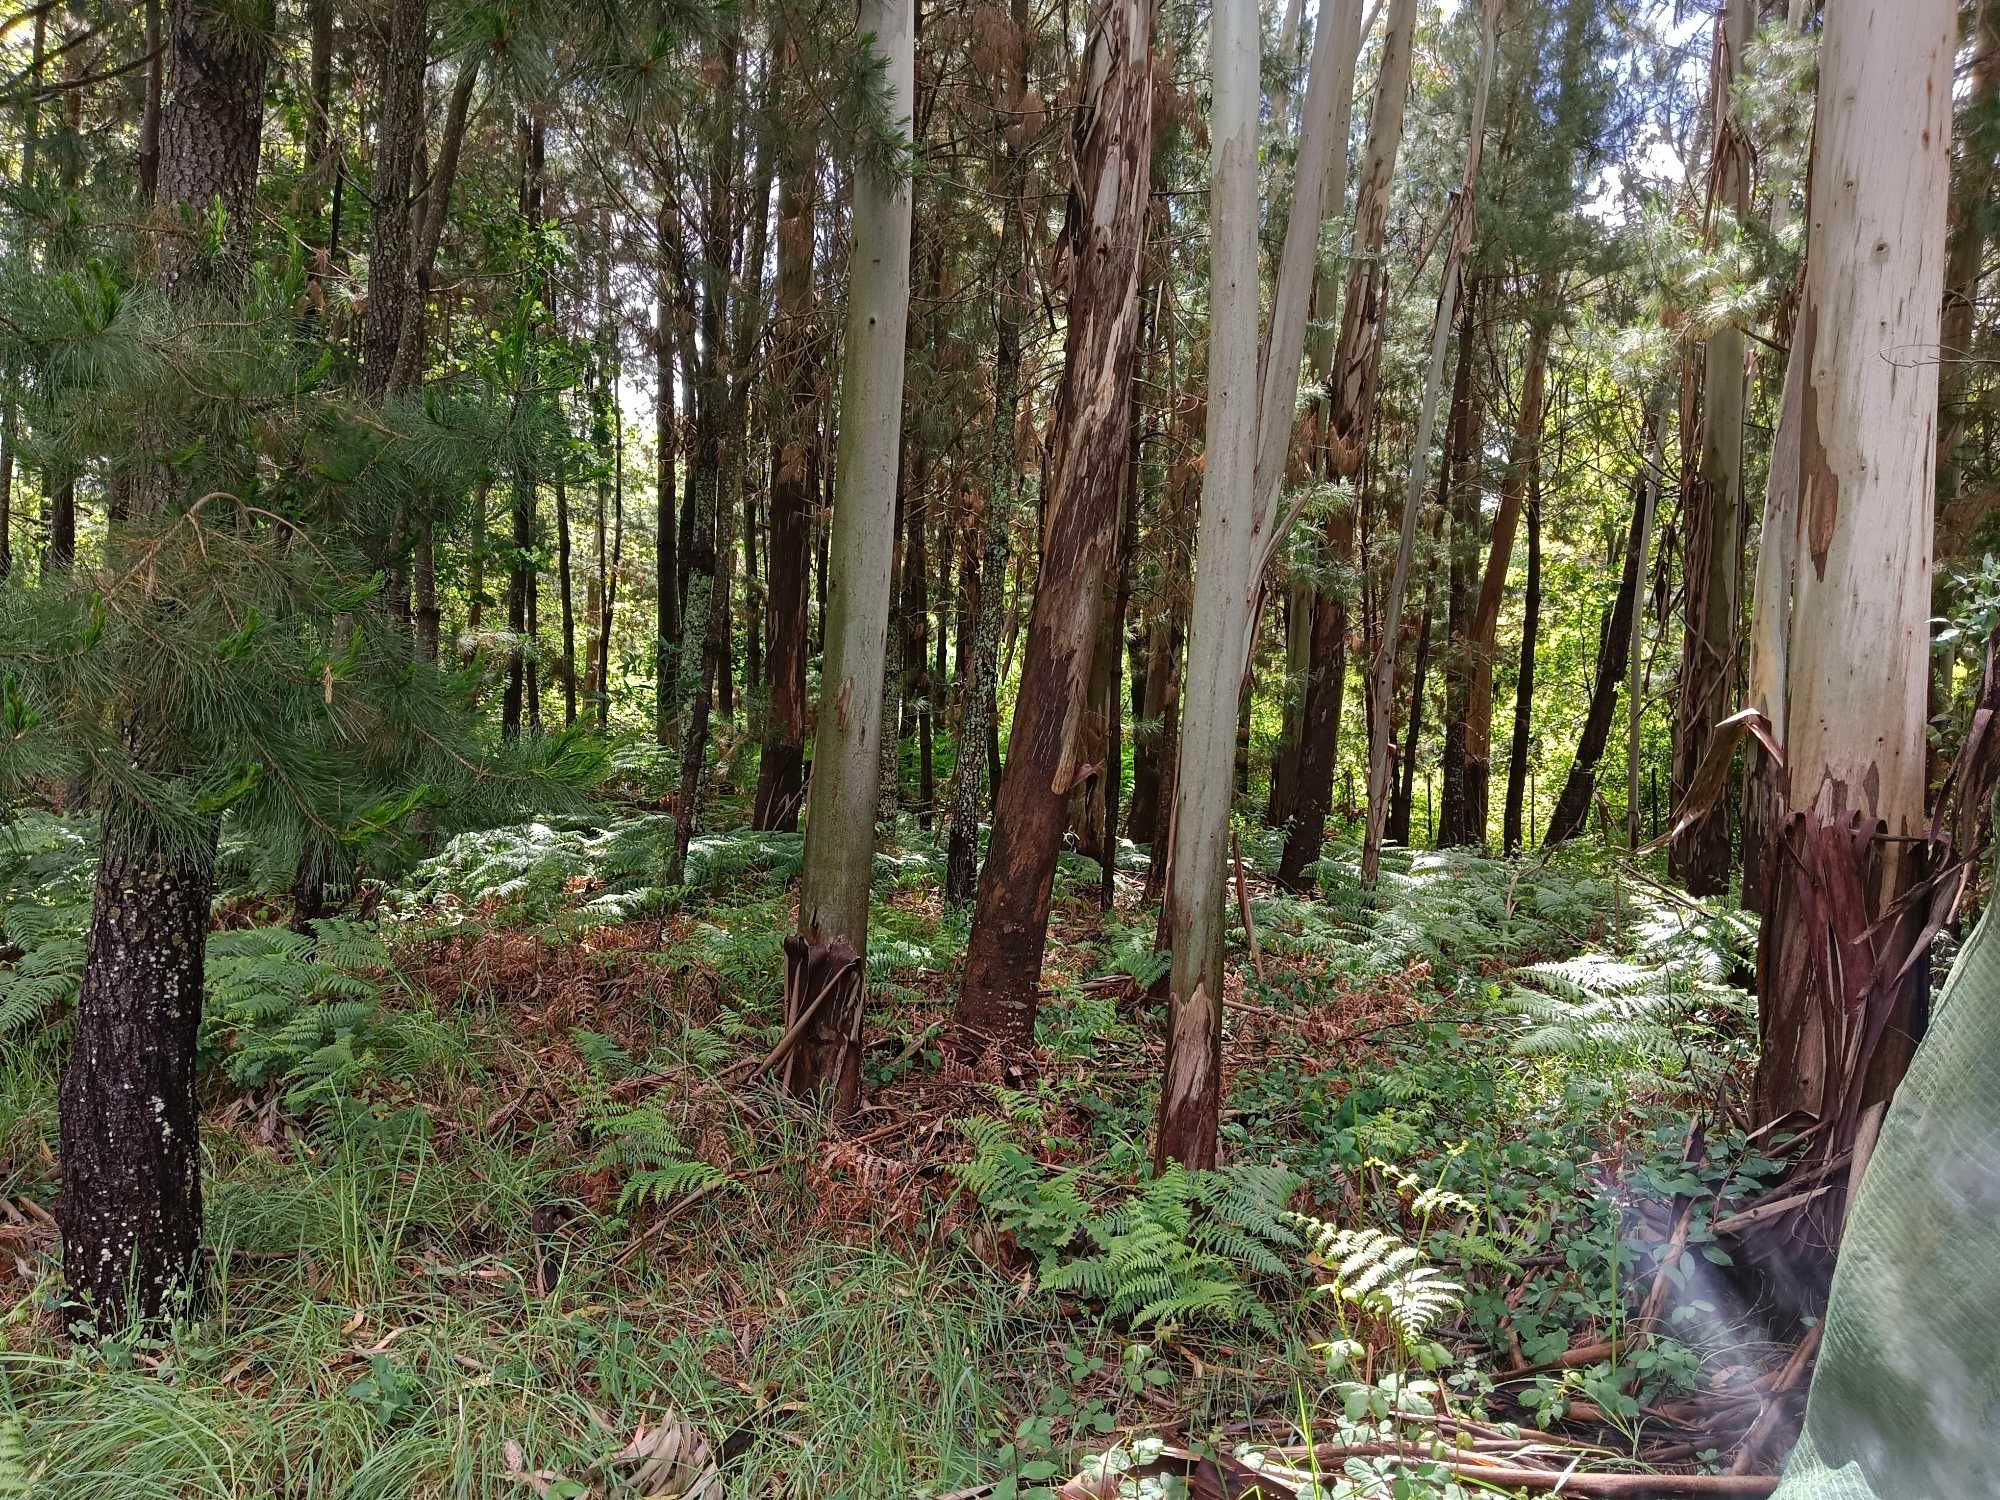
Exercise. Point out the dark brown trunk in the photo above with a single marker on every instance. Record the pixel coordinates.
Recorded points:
(1524, 686)
(1580, 787)
(521, 697)
(62, 529)
(399, 127)
(666, 570)
(566, 596)
(1319, 743)
(130, 1210)
(156, 67)
(1088, 456)
(1461, 803)
(1397, 829)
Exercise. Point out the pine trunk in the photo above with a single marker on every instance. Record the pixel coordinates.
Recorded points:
(130, 1207)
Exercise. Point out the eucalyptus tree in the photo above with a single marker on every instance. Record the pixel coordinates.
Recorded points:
(1841, 975)
(1382, 672)
(1089, 459)
(831, 949)
(1253, 396)
(1351, 379)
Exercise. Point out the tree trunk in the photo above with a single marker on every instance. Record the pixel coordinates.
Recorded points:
(795, 461)
(1351, 379)
(976, 687)
(1580, 786)
(1962, 507)
(666, 568)
(156, 68)
(1635, 686)
(1461, 818)
(1089, 452)
(398, 129)
(1326, 687)
(566, 596)
(1713, 507)
(1511, 840)
(130, 1207)
(1405, 770)
(840, 826)
(1250, 423)
(521, 695)
(706, 620)
(1382, 692)
(1482, 638)
(1841, 979)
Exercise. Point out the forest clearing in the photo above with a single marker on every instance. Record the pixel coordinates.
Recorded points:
(750, 749)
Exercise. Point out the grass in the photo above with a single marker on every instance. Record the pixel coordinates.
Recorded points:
(431, 1279)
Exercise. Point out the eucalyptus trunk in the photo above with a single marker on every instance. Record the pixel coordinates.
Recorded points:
(840, 823)
(1089, 455)
(1250, 422)
(1382, 691)
(1841, 976)
(1713, 552)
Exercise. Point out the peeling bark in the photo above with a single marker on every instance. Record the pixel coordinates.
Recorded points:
(1089, 453)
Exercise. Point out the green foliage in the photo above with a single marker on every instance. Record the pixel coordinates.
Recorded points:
(1385, 1277)
(1183, 1246)
(47, 865)
(646, 1147)
(16, 1479)
(296, 1008)
(1666, 1004)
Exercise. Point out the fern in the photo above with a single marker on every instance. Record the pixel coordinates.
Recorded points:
(1384, 1277)
(1666, 1002)
(646, 1146)
(15, 1478)
(47, 865)
(1183, 1246)
(299, 1008)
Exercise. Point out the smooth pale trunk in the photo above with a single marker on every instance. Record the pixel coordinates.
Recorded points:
(840, 826)
(1382, 674)
(1837, 1014)
(1244, 458)
(1224, 551)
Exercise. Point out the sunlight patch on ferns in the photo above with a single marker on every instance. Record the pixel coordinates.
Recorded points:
(1666, 1003)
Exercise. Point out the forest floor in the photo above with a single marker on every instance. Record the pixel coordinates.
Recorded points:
(496, 1206)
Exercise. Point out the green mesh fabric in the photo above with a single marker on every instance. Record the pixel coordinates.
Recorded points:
(1905, 1402)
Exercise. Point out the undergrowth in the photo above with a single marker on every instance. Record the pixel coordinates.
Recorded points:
(442, 1223)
